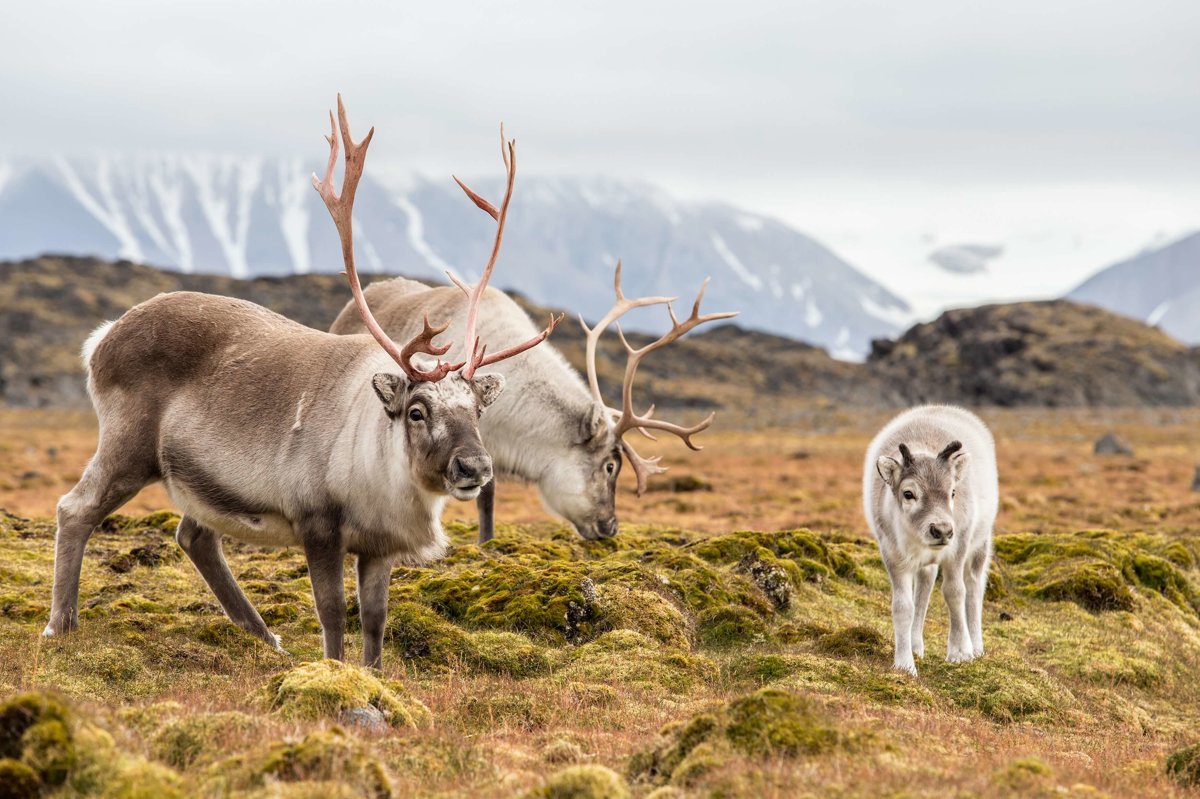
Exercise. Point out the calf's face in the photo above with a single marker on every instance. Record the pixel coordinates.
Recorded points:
(440, 425)
(925, 487)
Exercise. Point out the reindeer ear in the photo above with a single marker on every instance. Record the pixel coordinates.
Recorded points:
(889, 470)
(958, 464)
(595, 424)
(487, 388)
(390, 390)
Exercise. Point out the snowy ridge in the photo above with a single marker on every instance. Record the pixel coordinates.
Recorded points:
(258, 216)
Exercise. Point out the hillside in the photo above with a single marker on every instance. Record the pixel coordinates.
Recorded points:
(50, 305)
(259, 217)
(1026, 354)
(1160, 287)
(1052, 354)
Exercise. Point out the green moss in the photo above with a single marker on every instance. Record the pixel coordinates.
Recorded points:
(511, 654)
(22, 712)
(730, 626)
(627, 658)
(416, 632)
(18, 781)
(322, 756)
(1004, 688)
(47, 747)
(327, 688)
(647, 612)
(1184, 766)
(1022, 777)
(183, 742)
(858, 640)
(582, 782)
(659, 765)
(816, 558)
(1091, 584)
(501, 710)
(772, 721)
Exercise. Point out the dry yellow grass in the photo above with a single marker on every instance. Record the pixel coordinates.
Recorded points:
(1097, 699)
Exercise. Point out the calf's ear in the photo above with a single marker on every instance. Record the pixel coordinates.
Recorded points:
(889, 470)
(958, 464)
(390, 390)
(487, 388)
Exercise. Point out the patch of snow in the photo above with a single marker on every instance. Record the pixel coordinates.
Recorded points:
(6, 173)
(294, 190)
(416, 236)
(812, 314)
(749, 278)
(373, 259)
(1158, 313)
(105, 209)
(892, 315)
(228, 222)
(841, 349)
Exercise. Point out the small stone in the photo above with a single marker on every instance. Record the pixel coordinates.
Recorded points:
(367, 718)
(1110, 444)
(1005, 616)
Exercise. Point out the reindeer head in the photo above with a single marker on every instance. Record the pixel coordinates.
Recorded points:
(440, 425)
(583, 489)
(924, 487)
(605, 437)
(439, 417)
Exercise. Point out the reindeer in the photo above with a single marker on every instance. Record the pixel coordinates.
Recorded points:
(547, 428)
(267, 431)
(934, 507)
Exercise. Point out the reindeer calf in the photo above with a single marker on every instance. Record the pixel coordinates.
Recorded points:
(930, 493)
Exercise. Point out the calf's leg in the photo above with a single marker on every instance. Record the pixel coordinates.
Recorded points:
(958, 643)
(924, 588)
(903, 611)
(976, 580)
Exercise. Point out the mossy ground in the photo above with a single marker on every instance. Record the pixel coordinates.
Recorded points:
(735, 662)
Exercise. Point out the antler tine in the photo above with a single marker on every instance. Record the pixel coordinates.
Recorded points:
(629, 418)
(621, 307)
(643, 468)
(341, 208)
(477, 357)
(423, 342)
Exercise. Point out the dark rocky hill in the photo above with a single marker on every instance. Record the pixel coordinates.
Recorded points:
(1035, 354)
(1050, 354)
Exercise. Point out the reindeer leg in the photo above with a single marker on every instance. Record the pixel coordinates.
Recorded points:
(203, 548)
(924, 588)
(486, 503)
(374, 575)
(323, 550)
(113, 476)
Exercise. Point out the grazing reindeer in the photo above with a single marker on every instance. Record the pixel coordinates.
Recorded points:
(935, 506)
(267, 431)
(547, 428)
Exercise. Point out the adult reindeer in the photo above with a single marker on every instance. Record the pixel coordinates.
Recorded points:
(549, 428)
(267, 431)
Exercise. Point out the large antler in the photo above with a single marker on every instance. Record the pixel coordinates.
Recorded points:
(626, 418)
(476, 350)
(341, 208)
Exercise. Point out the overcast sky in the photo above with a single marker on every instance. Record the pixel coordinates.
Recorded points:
(880, 128)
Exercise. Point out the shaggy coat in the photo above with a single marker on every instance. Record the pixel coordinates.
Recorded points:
(930, 494)
(544, 429)
(276, 434)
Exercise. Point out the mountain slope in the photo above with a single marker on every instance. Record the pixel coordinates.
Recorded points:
(254, 217)
(1160, 287)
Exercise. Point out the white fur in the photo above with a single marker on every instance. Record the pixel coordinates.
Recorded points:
(911, 563)
(89, 347)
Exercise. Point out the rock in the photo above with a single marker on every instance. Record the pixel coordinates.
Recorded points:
(368, 718)
(1111, 444)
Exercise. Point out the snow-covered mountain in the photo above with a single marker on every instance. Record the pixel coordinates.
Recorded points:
(260, 216)
(1159, 287)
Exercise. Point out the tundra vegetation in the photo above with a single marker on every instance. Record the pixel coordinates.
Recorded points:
(732, 642)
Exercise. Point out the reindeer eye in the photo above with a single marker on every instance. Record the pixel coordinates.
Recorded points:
(610, 467)
(909, 495)
(415, 415)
